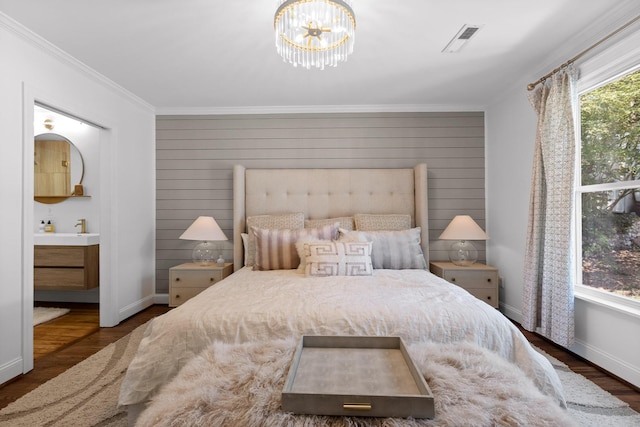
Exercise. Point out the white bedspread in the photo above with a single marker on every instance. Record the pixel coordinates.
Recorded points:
(266, 305)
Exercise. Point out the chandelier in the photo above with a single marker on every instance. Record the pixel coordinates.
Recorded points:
(314, 33)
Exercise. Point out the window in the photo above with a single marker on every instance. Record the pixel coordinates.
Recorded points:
(608, 192)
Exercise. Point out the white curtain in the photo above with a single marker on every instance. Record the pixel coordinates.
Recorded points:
(548, 304)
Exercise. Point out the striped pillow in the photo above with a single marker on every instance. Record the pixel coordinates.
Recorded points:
(338, 259)
(276, 248)
(289, 220)
(394, 250)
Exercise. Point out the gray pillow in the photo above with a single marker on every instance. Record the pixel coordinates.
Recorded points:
(394, 250)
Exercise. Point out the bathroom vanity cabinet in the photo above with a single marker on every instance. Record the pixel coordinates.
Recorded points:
(63, 268)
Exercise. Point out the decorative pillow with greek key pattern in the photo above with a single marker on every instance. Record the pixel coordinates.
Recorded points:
(338, 259)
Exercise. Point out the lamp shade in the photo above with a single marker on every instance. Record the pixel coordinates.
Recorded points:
(204, 228)
(463, 227)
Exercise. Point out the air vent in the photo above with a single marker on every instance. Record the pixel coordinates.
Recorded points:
(468, 33)
(459, 40)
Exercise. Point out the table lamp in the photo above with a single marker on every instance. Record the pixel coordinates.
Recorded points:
(205, 229)
(463, 228)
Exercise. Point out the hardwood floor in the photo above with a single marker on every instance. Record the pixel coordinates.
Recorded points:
(82, 320)
(619, 388)
(64, 333)
(73, 348)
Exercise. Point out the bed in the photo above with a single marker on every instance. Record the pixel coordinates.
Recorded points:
(261, 302)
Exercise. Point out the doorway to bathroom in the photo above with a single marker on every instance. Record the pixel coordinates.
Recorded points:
(66, 212)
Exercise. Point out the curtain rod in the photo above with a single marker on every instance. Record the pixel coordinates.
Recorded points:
(531, 86)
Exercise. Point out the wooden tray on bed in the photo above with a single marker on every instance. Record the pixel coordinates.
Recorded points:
(356, 376)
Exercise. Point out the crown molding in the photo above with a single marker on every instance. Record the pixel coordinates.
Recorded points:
(55, 52)
(590, 34)
(307, 109)
(593, 33)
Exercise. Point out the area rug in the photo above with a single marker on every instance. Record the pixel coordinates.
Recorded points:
(84, 395)
(87, 394)
(590, 405)
(44, 314)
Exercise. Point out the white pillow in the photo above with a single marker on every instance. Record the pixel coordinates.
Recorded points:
(395, 250)
(338, 258)
(300, 249)
(245, 245)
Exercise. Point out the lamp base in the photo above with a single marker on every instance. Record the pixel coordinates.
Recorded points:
(204, 253)
(463, 253)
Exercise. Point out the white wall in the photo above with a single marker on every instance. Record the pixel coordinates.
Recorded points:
(606, 336)
(510, 128)
(34, 70)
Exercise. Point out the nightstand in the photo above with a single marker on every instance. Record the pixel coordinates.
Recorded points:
(189, 279)
(479, 280)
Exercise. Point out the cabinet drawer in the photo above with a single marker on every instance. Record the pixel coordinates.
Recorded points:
(472, 278)
(490, 296)
(59, 256)
(70, 279)
(180, 295)
(195, 279)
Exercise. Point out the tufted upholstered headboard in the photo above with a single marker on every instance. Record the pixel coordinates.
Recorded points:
(328, 193)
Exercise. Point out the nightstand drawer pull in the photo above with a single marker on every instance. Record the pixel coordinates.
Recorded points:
(177, 279)
(453, 279)
(489, 280)
(177, 296)
(211, 279)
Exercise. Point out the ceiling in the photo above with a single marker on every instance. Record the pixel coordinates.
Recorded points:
(213, 55)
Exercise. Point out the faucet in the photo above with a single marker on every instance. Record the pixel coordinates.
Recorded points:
(83, 226)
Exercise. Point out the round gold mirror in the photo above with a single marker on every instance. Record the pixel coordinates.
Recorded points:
(58, 168)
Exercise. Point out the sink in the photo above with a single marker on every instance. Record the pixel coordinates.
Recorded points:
(66, 239)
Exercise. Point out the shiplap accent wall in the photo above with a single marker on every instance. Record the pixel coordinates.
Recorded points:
(196, 155)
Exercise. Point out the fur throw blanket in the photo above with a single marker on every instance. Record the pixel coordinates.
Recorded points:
(241, 385)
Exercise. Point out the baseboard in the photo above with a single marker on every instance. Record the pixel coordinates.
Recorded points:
(10, 370)
(92, 296)
(161, 299)
(136, 307)
(595, 355)
(608, 362)
(511, 312)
